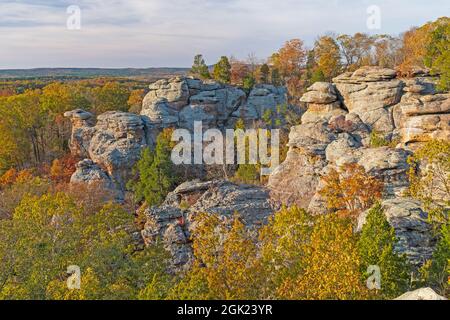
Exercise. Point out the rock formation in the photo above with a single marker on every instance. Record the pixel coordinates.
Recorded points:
(338, 122)
(173, 220)
(114, 140)
(336, 129)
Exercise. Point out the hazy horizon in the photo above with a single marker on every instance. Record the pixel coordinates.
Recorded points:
(156, 33)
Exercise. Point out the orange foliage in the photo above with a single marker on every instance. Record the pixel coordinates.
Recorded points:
(62, 169)
(239, 70)
(351, 190)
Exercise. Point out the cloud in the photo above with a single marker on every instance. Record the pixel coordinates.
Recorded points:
(142, 33)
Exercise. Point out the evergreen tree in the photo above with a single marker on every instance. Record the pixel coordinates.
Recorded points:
(156, 174)
(222, 70)
(376, 247)
(248, 83)
(264, 73)
(199, 68)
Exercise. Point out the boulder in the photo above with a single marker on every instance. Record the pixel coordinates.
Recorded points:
(421, 294)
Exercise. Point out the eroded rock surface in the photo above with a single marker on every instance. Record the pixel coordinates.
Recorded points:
(421, 294)
(114, 140)
(173, 220)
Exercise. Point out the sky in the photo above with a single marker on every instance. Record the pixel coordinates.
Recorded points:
(168, 33)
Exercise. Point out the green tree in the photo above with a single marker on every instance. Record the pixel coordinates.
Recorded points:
(438, 55)
(110, 97)
(222, 70)
(199, 67)
(376, 247)
(156, 173)
(436, 272)
(264, 72)
(248, 83)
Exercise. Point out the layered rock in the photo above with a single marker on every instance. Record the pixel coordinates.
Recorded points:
(114, 143)
(181, 101)
(422, 114)
(173, 220)
(114, 140)
(371, 92)
(338, 123)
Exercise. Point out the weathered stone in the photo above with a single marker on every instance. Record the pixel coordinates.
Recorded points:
(82, 131)
(320, 93)
(173, 221)
(370, 92)
(421, 294)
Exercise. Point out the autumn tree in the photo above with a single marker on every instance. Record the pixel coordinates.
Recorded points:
(290, 61)
(49, 233)
(327, 57)
(355, 49)
(417, 43)
(112, 96)
(135, 100)
(281, 242)
(225, 266)
(199, 67)
(429, 177)
(331, 267)
(222, 70)
(239, 71)
(350, 190)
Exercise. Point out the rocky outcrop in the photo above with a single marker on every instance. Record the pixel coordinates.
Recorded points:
(371, 92)
(422, 114)
(338, 123)
(114, 140)
(114, 143)
(181, 101)
(173, 220)
(412, 229)
(421, 294)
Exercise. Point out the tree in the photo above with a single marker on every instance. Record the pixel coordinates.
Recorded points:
(416, 45)
(355, 49)
(222, 70)
(438, 55)
(281, 242)
(376, 247)
(239, 72)
(111, 96)
(225, 266)
(290, 62)
(49, 233)
(350, 190)
(248, 83)
(135, 100)
(429, 178)
(437, 271)
(327, 57)
(331, 267)
(155, 171)
(264, 72)
(199, 67)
